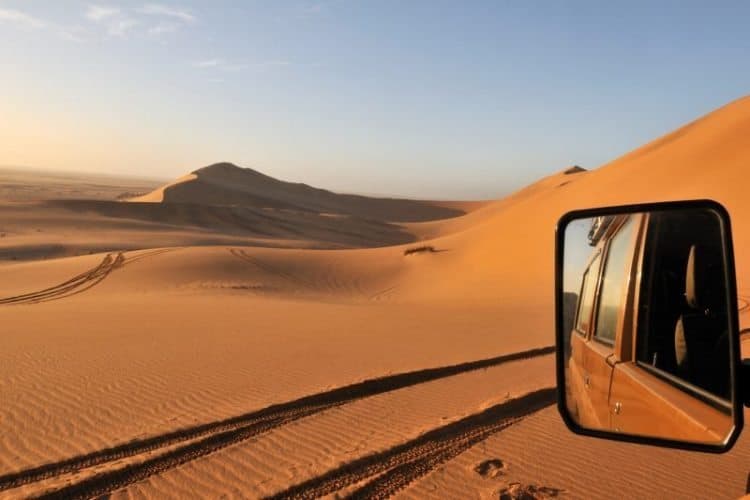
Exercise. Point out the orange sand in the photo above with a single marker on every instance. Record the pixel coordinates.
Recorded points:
(218, 310)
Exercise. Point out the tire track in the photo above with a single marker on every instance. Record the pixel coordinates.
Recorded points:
(383, 294)
(273, 270)
(77, 284)
(212, 436)
(400, 476)
(81, 282)
(147, 254)
(397, 467)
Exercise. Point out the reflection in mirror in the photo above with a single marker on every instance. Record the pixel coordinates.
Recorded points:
(646, 325)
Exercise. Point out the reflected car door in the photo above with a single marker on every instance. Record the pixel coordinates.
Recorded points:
(598, 352)
(648, 401)
(577, 375)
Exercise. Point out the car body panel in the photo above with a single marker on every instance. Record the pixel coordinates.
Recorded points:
(644, 403)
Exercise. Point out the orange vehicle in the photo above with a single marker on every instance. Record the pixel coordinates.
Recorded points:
(646, 324)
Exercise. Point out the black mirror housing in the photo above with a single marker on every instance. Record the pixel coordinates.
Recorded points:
(646, 319)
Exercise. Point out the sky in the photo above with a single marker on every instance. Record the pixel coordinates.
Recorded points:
(431, 99)
(577, 253)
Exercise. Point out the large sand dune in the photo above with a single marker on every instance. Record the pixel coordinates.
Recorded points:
(217, 205)
(163, 365)
(228, 184)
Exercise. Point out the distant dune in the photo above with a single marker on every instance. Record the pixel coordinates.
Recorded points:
(219, 204)
(19, 184)
(575, 169)
(227, 184)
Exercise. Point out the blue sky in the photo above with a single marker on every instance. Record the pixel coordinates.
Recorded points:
(418, 98)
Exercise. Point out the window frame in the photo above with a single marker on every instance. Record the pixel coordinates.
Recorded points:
(699, 393)
(679, 383)
(612, 233)
(587, 275)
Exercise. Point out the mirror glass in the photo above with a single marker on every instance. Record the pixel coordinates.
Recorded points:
(646, 325)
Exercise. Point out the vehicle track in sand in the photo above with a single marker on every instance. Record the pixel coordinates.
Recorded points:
(74, 285)
(383, 294)
(81, 282)
(272, 269)
(190, 443)
(394, 469)
(326, 281)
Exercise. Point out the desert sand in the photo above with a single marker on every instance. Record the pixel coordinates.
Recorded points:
(232, 335)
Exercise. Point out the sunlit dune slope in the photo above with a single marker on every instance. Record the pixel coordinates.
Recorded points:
(506, 252)
(228, 184)
(486, 211)
(157, 195)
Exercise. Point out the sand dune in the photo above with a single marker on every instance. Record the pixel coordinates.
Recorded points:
(157, 195)
(224, 184)
(53, 229)
(216, 205)
(186, 357)
(511, 241)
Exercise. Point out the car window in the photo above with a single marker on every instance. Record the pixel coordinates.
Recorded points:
(688, 343)
(586, 304)
(614, 277)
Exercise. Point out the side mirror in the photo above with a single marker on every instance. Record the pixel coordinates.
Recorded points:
(647, 333)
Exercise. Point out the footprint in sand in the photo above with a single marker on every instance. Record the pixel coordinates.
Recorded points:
(491, 468)
(518, 491)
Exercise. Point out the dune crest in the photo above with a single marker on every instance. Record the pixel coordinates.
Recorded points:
(512, 240)
(157, 195)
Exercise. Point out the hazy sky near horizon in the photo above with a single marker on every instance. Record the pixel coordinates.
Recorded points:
(418, 98)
